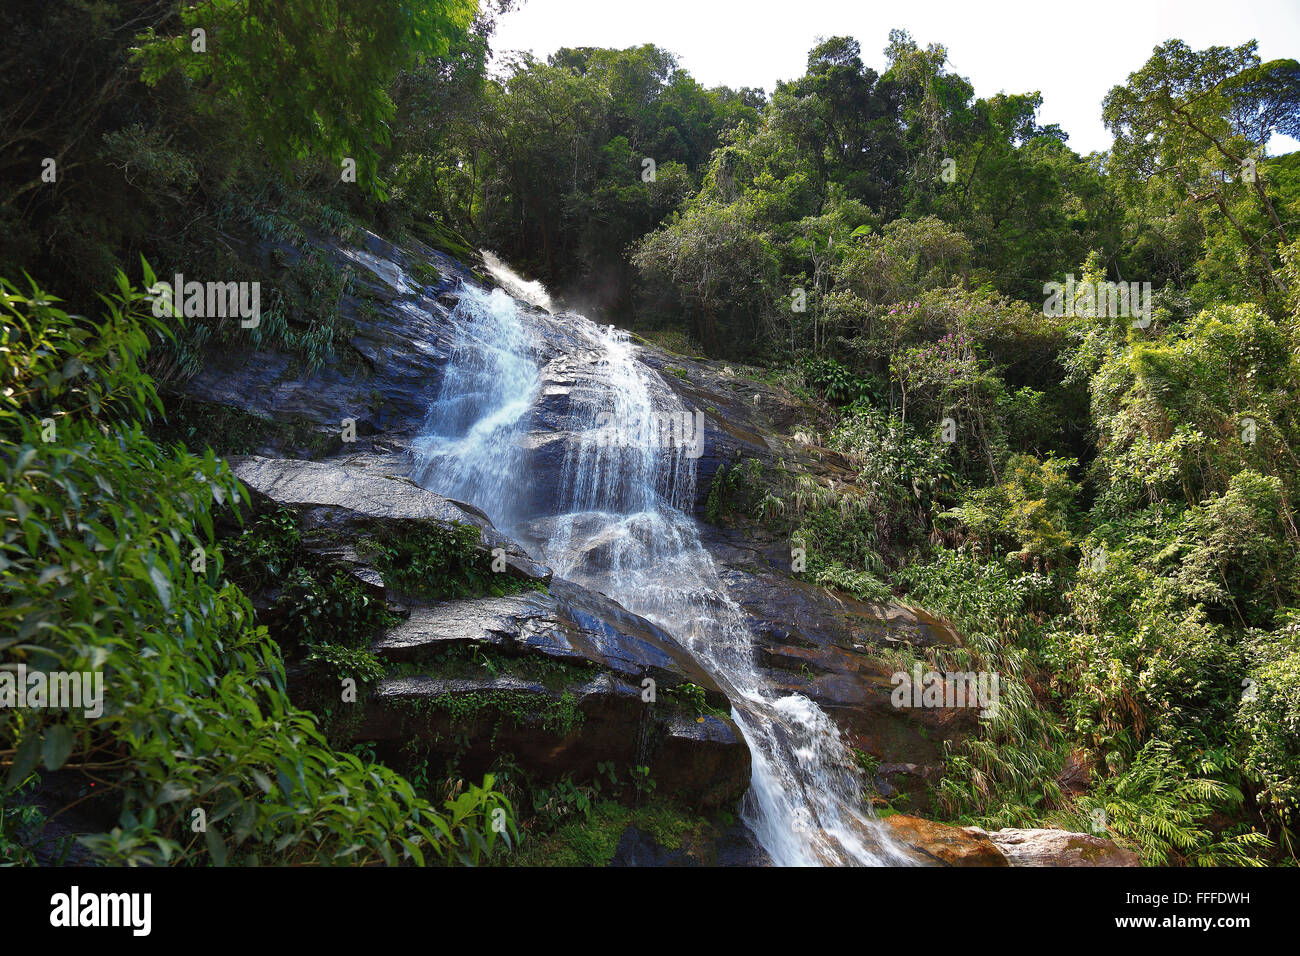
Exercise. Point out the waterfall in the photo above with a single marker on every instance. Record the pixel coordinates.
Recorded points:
(621, 524)
(469, 447)
(532, 292)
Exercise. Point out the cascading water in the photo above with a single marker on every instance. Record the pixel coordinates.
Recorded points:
(534, 293)
(469, 447)
(622, 526)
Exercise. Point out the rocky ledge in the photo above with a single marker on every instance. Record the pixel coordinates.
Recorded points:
(563, 672)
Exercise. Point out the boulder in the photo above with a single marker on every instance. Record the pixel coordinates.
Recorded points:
(350, 496)
(971, 846)
(734, 846)
(636, 847)
(1060, 848)
(937, 843)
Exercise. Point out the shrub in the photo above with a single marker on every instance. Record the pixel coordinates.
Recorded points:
(110, 566)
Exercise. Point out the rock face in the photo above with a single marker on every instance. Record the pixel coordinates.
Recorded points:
(842, 653)
(839, 652)
(576, 700)
(401, 340)
(1060, 848)
(346, 494)
(743, 419)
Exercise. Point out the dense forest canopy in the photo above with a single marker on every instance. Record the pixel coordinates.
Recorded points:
(1112, 522)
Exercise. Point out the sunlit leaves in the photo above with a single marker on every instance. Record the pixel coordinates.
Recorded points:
(97, 530)
(309, 76)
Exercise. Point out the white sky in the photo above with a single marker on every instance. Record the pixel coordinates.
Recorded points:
(1073, 53)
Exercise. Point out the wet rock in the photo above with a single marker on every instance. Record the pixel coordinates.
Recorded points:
(568, 623)
(743, 418)
(593, 712)
(937, 843)
(636, 847)
(842, 654)
(1060, 848)
(349, 497)
(383, 377)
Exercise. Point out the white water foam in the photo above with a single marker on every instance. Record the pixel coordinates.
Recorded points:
(532, 292)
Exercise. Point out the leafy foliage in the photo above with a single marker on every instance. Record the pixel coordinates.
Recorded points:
(110, 566)
(306, 76)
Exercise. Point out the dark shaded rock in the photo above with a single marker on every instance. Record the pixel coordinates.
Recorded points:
(737, 847)
(696, 754)
(734, 846)
(638, 848)
(531, 722)
(842, 653)
(595, 714)
(913, 780)
(1076, 774)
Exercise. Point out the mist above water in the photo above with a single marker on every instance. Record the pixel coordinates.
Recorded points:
(530, 291)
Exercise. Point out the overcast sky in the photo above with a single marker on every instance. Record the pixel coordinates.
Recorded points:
(1073, 53)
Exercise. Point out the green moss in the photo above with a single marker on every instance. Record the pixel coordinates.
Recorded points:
(559, 716)
(233, 431)
(442, 237)
(479, 661)
(438, 561)
(592, 841)
(692, 700)
(424, 273)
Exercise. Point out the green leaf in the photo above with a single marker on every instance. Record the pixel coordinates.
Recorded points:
(162, 584)
(216, 846)
(25, 760)
(57, 746)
